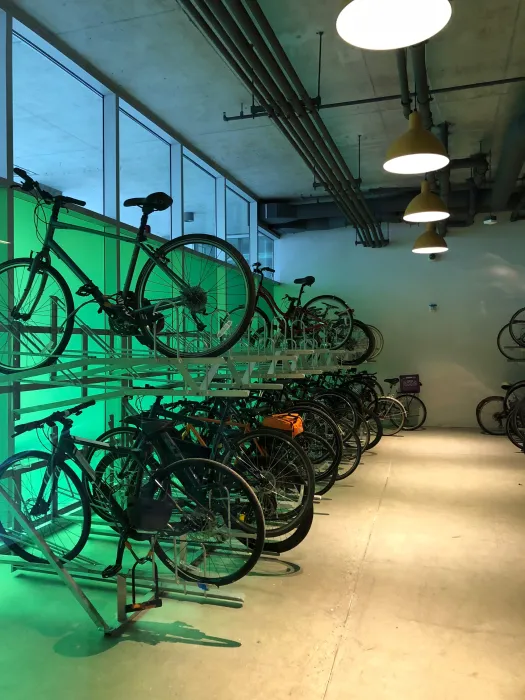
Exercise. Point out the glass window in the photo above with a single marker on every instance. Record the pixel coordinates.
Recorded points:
(58, 126)
(265, 247)
(145, 167)
(238, 222)
(199, 199)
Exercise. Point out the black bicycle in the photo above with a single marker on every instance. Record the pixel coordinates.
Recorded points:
(194, 296)
(196, 513)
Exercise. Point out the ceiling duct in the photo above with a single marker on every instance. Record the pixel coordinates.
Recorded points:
(510, 164)
(233, 33)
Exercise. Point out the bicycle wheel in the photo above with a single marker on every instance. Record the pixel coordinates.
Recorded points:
(318, 421)
(517, 327)
(329, 319)
(491, 415)
(321, 454)
(391, 413)
(360, 344)
(514, 429)
(378, 342)
(214, 512)
(351, 456)
(279, 472)
(203, 289)
(515, 394)
(292, 539)
(507, 346)
(416, 411)
(44, 320)
(375, 427)
(54, 502)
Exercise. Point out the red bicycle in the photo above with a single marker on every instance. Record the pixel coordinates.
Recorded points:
(324, 321)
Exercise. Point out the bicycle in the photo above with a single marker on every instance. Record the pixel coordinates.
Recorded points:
(273, 464)
(194, 296)
(201, 502)
(325, 321)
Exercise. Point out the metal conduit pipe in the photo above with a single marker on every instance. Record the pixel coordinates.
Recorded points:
(444, 177)
(303, 122)
(221, 41)
(402, 70)
(252, 82)
(215, 12)
(324, 138)
(419, 66)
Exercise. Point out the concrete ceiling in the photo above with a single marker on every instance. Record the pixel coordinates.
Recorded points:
(151, 49)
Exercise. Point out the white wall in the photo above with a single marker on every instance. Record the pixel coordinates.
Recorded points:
(477, 285)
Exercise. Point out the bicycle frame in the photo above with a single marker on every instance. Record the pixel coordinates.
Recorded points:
(90, 288)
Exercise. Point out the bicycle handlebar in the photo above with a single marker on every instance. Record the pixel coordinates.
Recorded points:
(56, 417)
(30, 185)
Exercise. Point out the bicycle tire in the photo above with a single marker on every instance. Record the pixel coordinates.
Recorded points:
(501, 416)
(350, 315)
(511, 352)
(68, 323)
(385, 414)
(324, 479)
(320, 419)
(514, 394)
(285, 543)
(516, 436)
(256, 469)
(351, 456)
(410, 400)
(375, 427)
(248, 303)
(85, 521)
(248, 556)
(517, 328)
(379, 342)
(363, 352)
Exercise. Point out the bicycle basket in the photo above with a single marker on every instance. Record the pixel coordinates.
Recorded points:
(290, 422)
(191, 450)
(147, 513)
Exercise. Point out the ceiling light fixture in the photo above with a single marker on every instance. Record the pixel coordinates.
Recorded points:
(416, 152)
(382, 25)
(430, 242)
(426, 206)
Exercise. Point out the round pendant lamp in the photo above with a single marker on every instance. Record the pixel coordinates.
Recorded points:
(382, 25)
(426, 206)
(416, 152)
(430, 242)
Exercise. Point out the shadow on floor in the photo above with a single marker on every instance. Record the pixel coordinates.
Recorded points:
(80, 644)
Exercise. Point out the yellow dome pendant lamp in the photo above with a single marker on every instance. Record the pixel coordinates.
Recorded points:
(417, 151)
(382, 25)
(430, 242)
(426, 207)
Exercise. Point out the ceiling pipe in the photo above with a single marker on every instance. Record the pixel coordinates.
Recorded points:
(444, 177)
(510, 164)
(288, 119)
(402, 71)
(207, 23)
(419, 66)
(326, 139)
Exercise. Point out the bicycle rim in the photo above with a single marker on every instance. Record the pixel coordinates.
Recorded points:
(64, 516)
(40, 339)
(208, 312)
(214, 512)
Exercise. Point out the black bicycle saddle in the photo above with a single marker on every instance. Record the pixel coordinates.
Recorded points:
(393, 381)
(158, 201)
(307, 281)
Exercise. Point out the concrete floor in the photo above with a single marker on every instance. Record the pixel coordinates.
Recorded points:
(412, 587)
